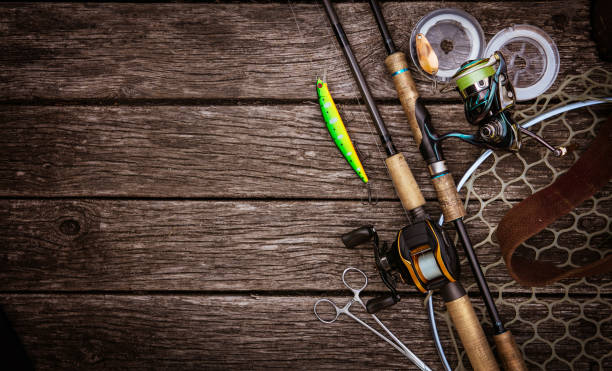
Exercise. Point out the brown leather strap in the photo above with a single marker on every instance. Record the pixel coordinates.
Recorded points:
(589, 174)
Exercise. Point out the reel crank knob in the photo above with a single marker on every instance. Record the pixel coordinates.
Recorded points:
(358, 236)
(377, 304)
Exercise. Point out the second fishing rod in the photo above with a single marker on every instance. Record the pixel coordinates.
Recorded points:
(422, 253)
(452, 206)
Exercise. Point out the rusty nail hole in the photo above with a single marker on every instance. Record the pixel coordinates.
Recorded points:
(70, 227)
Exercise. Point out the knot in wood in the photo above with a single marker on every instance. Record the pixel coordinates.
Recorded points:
(70, 227)
(560, 21)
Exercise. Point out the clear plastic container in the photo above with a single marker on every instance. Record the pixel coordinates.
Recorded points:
(454, 35)
(532, 58)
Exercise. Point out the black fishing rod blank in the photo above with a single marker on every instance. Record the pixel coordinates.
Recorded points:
(385, 138)
(382, 27)
(457, 302)
(403, 180)
(451, 204)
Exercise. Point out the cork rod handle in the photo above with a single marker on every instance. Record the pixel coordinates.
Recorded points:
(405, 185)
(471, 334)
(509, 352)
(406, 90)
(448, 197)
(450, 202)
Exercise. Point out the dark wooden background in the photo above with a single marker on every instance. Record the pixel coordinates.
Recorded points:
(171, 199)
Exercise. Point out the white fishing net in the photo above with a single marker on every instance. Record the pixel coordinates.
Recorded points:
(567, 325)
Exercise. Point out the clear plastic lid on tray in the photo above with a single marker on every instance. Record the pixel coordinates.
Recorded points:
(455, 37)
(531, 56)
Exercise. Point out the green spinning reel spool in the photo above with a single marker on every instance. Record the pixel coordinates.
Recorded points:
(488, 99)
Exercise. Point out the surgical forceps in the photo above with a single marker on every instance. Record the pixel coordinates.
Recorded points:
(396, 343)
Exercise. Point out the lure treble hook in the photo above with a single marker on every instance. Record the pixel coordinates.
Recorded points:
(372, 199)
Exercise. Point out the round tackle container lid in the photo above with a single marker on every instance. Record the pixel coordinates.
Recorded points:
(455, 37)
(531, 56)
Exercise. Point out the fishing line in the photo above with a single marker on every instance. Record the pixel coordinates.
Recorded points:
(364, 117)
(302, 38)
(369, 125)
(331, 37)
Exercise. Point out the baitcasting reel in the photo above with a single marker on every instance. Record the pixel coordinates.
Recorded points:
(422, 254)
(489, 97)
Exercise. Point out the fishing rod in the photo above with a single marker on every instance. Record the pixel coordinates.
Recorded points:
(451, 204)
(422, 254)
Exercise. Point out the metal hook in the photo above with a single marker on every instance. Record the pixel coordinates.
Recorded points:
(361, 155)
(370, 200)
(446, 88)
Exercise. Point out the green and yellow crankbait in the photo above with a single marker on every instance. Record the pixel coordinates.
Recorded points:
(338, 131)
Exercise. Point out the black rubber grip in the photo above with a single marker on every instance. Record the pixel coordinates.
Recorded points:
(429, 148)
(380, 303)
(358, 236)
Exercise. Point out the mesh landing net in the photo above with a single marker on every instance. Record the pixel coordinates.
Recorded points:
(567, 325)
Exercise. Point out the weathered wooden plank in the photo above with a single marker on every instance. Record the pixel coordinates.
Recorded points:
(233, 51)
(218, 246)
(263, 332)
(247, 151)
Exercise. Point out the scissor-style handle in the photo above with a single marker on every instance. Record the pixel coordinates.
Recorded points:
(338, 311)
(348, 285)
(395, 343)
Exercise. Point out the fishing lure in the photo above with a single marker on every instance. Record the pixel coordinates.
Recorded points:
(427, 56)
(337, 130)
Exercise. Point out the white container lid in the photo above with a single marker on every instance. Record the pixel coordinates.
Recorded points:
(531, 56)
(455, 37)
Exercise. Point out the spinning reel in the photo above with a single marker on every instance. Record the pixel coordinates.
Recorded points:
(422, 254)
(488, 98)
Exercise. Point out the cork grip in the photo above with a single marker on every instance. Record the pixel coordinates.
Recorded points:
(471, 334)
(508, 351)
(405, 185)
(451, 204)
(406, 90)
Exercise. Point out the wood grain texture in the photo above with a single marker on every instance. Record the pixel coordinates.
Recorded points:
(260, 332)
(251, 151)
(235, 51)
(210, 107)
(218, 246)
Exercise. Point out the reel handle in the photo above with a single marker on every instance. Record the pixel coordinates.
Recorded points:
(470, 332)
(358, 236)
(377, 304)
